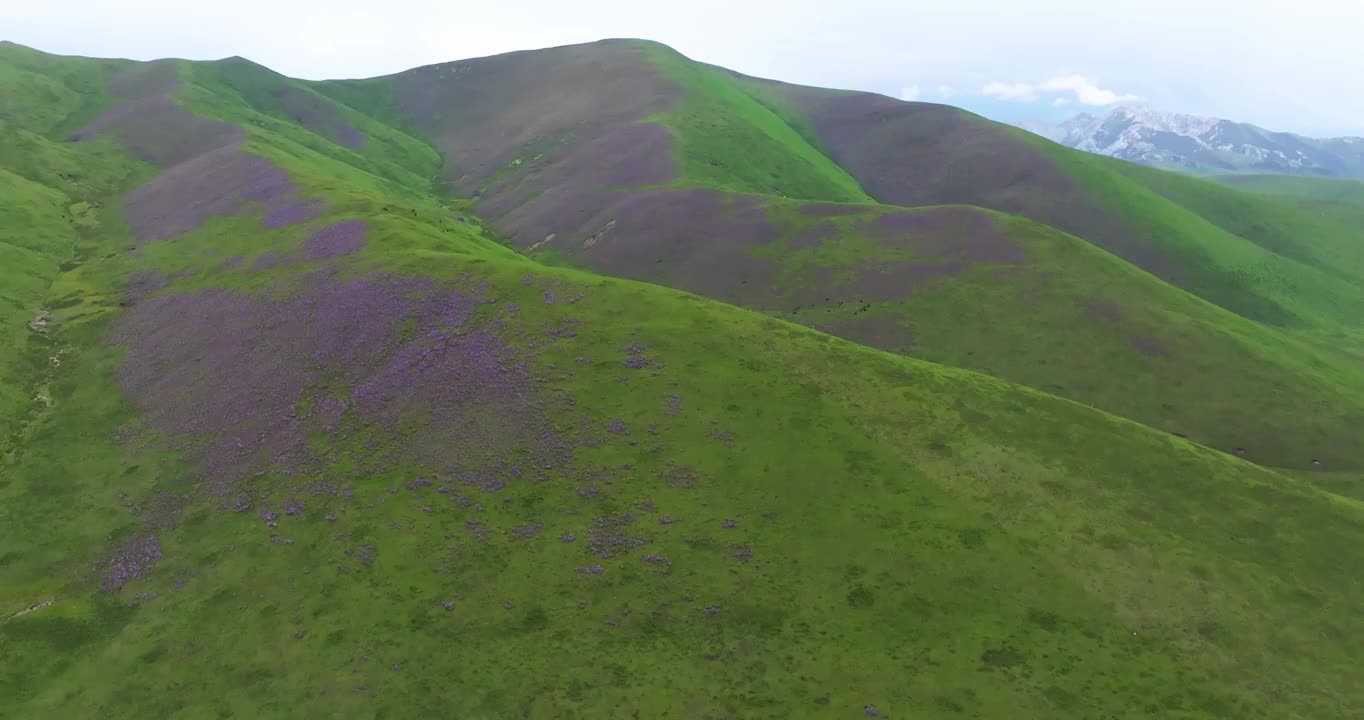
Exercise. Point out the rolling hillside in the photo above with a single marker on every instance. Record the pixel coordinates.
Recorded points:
(1346, 192)
(297, 423)
(683, 174)
(921, 154)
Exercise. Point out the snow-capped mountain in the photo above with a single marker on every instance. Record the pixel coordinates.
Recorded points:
(1203, 144)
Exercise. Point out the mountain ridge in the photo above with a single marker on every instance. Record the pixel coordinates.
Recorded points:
(1202, 144)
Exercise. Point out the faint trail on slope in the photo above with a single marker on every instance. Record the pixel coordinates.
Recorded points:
(31, 608)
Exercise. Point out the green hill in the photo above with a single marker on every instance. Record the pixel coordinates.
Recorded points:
(1347, 192)
(673, 172)
(920, 154)
(998, 294)
(299, 434)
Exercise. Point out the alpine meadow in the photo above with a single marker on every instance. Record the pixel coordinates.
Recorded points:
(597, 382)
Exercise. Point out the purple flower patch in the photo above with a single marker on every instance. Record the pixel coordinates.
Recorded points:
(134, 560)
(608, 537)
(225, 378)
(335, 240)
(211, 184)
(679, 476)
(525, 532)
(293, 212)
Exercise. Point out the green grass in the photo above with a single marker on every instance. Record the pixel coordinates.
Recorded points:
(51, 95)
(930, 540)
(728, 140)
(1312, 231)
(1268, 279)
(51, 192)
(1347, 192)
(1036, 324)
(246, 93)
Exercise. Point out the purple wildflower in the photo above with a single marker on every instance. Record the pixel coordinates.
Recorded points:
(135, 559)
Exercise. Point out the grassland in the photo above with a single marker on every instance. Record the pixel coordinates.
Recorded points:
(1348, 192)
(727, 139)
(1270, 354)
(697, 510)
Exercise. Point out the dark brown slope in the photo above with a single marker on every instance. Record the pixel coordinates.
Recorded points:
(913, 154)
(569, 112)
(543, 140)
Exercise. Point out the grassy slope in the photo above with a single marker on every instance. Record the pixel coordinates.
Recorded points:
(1320, 235)
(1001, 553)
(1037, 324)
(728, 140)
(1348, 192)
(235, 86)
(35, 239)
(50, 94)
(1266, 277)
(1063, 316)
(51, 196)
(1032, 327)
(1271, 263)
(917, 154)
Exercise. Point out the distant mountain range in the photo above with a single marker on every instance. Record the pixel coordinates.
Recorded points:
(1202, 144)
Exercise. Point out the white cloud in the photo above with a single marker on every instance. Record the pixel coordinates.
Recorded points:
(1085, 92)
(909, 93)
(946, 91)
(1060, 101)
(1010, 91)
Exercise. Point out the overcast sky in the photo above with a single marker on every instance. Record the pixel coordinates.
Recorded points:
(1293, 65)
